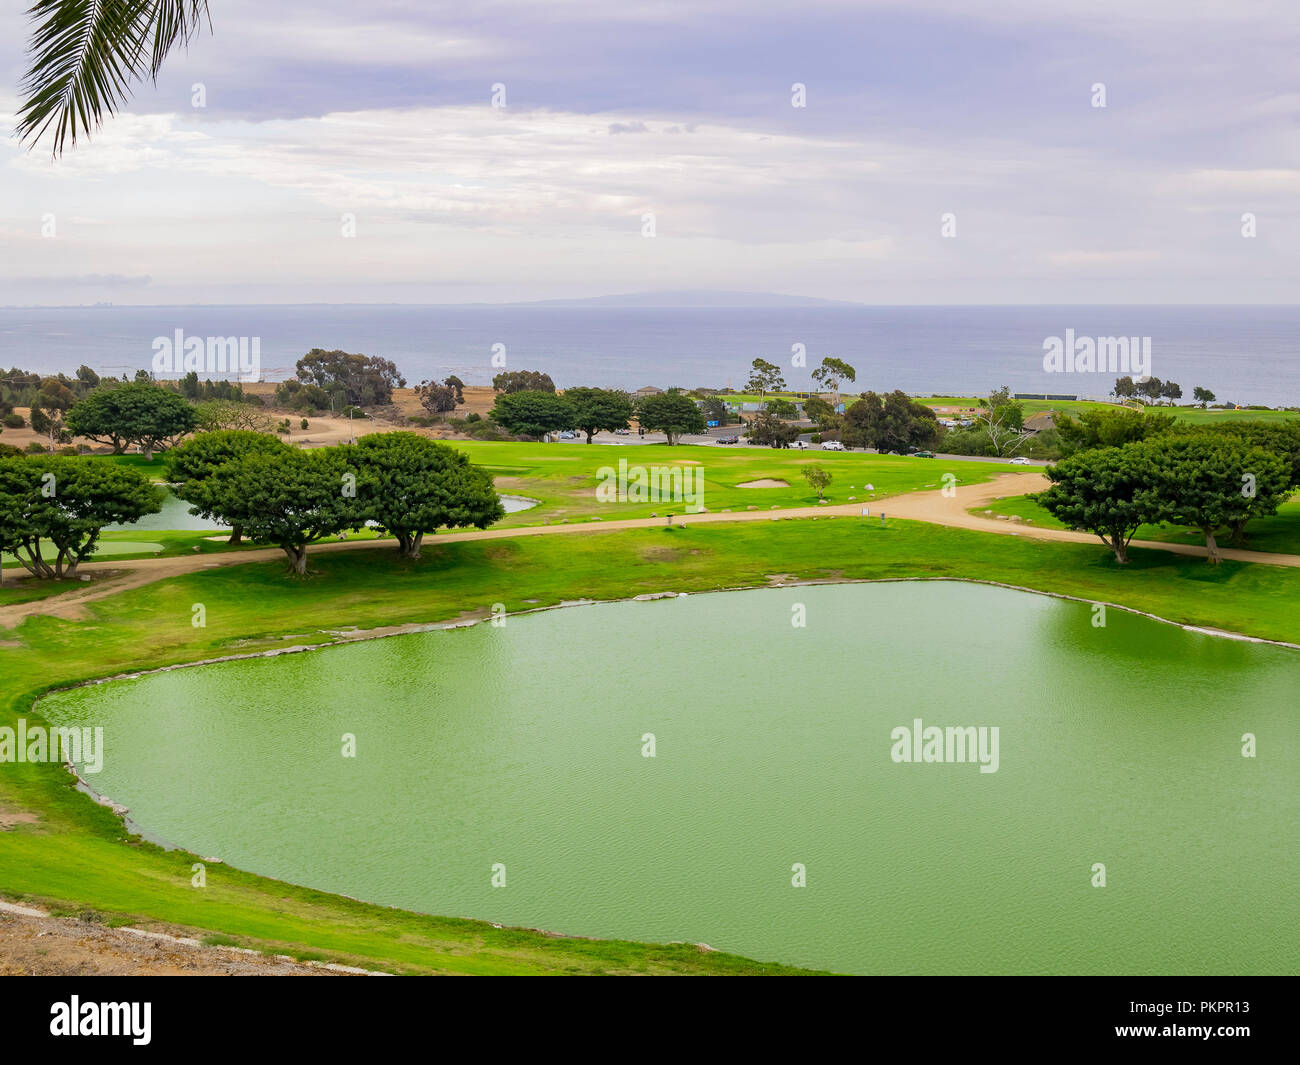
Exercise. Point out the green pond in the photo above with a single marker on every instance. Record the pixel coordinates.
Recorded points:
(522, 746)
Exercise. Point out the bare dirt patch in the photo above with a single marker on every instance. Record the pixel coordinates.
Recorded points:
(59, 946)
(12, 818)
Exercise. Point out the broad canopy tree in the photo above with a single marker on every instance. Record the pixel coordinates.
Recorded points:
(1108, 492)
(533, 413)
(289, 498)
(66, 502)
(362, 380)
(1208, 482)
(670, 413)
(412, 486)
(191, 466)
(597, 409)
(135, 412)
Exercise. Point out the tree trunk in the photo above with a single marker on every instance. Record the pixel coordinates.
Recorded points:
(590, 434)
(1212, 547)
(1238, 529)
(1120, 546)
(236, 536)
(148, 453)
(297, 558)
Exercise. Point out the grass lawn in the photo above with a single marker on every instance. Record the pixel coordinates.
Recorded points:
(77, 856)
(1280, 533)
(1074, 407)
(564, 477)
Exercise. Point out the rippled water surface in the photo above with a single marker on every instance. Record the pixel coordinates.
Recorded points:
(522, 745)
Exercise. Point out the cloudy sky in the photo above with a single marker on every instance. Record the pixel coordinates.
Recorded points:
(321, 110)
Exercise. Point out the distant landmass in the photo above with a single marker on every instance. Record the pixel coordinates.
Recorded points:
(699, 299)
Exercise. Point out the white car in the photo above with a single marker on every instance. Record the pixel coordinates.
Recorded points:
(832, 445)
(1020, 460)
(800, 445)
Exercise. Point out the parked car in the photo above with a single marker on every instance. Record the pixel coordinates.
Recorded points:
(568, 436)
(922, 454)
(800, 445)
(728, 440)
(622, 432)
(1020, 460)
(832, 445)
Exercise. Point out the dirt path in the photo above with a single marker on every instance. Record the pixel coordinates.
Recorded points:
(931, 507)
(34, 944)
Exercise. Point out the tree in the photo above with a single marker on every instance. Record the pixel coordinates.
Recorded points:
(290, 498)
(820, 413)
(1124, 388)
(456, 383)
(895, 422)
(818, 477)
(86, 57)
(414, 486)
(1280, 438)
(863, 420)
(216, 414)
(1002, 420)
(765, 377)
(595, 409)
(765, 428)
(671, 414)
(66, 501)
(1206, 482)
(1203, 396)
(714, 410)
(831, 372)
(137, 413)
(364, 380)
(1109, 492)
(50, 423)
(439, 398)
(1151, 387)
(523, 381)
(296, 395)
(783, 409)
(533, 413)
(190, 467)
(1109, 427)
(1171, 390)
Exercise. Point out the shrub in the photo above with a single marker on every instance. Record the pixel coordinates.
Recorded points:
(36, 448)
(304, 423)
(14, 421)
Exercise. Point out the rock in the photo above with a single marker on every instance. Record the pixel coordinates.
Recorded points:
(853, 499)
(751, 508)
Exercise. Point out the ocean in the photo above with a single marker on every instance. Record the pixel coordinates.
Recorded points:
(1244, 354)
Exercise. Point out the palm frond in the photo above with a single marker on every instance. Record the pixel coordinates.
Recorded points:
(87, 54)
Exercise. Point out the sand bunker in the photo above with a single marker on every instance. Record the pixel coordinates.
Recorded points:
(764, 482)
